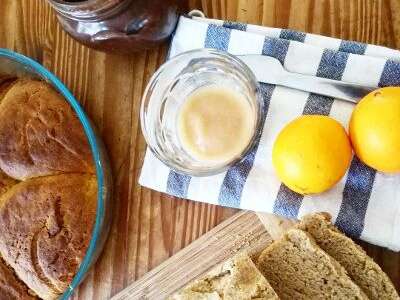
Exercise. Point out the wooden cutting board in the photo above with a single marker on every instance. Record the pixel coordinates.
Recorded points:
(245, 231)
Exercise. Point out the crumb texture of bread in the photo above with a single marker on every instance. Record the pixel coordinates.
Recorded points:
(361, 268)
(6, 182)
(236, 279)
(10, 287)
(297, 268)
(46, 228)
(40, 134)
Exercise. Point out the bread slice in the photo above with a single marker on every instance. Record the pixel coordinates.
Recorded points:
(360, 267)
(11, 288)
(297, 268)
(46, 225)
(237, 279)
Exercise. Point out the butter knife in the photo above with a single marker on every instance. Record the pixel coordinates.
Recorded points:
(269, 70)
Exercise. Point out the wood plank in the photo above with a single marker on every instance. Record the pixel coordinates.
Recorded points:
(241, 232)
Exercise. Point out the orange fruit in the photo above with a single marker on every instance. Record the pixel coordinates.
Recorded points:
(375, 129)
(311, 154)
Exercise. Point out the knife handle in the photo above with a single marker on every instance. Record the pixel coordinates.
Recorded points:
(327, 87)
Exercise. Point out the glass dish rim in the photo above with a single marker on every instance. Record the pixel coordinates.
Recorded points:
(91, 136)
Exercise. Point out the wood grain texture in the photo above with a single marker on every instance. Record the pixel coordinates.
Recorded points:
(242, 232)
(149, 227)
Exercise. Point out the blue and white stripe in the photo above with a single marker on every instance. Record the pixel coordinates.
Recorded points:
(365, 204)
(235, 178)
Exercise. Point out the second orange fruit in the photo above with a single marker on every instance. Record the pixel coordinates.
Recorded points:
(375, 129)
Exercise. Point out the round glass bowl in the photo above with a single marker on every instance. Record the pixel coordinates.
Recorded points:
(18, 65)
(170, 87)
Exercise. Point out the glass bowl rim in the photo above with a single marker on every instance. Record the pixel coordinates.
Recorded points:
(91, 136)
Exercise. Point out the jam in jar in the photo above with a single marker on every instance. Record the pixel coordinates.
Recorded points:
(120, 26)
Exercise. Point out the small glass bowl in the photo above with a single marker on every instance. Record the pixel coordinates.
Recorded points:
(170, 87)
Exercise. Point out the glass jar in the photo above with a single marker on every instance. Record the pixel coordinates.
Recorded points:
(121, 26)
(170, 87)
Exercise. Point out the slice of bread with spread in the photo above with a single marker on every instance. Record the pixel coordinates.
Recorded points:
(297, 268)
(360, 267)
(236, 279)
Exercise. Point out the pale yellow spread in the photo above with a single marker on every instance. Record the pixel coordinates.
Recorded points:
(215, 124)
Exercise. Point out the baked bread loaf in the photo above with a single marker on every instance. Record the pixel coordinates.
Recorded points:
(297, 268)
(236, 279)
(46, 228)
(46, 220)
(10, 287)
(361, 268)
(40, 134)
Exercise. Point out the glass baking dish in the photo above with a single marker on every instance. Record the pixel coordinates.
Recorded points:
(12, 63)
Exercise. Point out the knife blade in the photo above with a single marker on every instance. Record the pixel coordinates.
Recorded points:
(269, 70)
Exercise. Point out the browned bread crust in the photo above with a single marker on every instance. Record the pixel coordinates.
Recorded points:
(40, 134)
(361, 268)
(46, 228)
(5, 182)
(10, 287)
(297, 268)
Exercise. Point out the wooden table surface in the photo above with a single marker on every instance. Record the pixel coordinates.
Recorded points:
(149, 227)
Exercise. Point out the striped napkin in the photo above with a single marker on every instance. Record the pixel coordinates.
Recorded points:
(365, 204)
